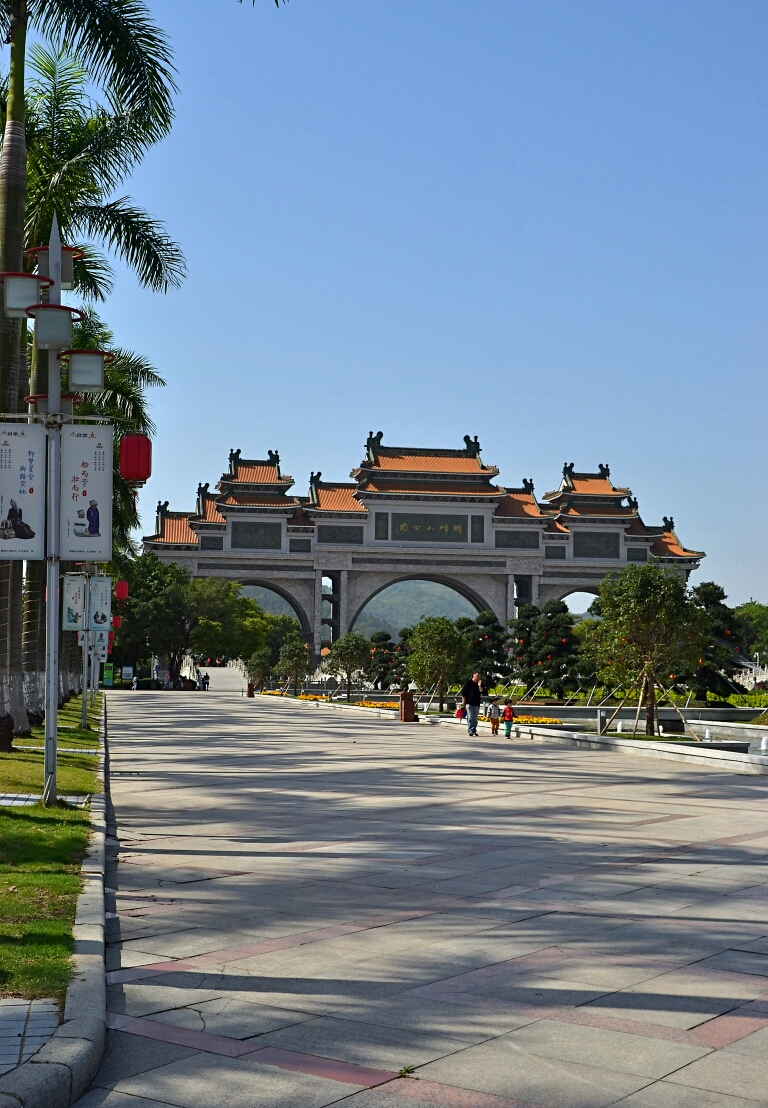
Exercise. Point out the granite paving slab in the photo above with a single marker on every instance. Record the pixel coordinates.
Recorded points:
(301, 905)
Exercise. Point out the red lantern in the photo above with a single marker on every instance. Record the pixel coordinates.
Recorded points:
(111, 637)
(121, 590)
(135, 458)
(117, 622)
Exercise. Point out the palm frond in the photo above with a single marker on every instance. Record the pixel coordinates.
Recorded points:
(138, 239)
(93, 273)
(123, 49)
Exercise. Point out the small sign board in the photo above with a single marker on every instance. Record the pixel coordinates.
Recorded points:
(73, 602)
(86, 493)
(127, 673)
(100, 604)
(22, 491)
(109, 673)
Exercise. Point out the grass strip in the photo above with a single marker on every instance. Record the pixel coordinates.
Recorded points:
(69, 730)
(40, 854)
(22, 771)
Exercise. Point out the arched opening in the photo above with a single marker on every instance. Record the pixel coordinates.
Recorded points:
(277, 602)
(404, 602)
(579, 602)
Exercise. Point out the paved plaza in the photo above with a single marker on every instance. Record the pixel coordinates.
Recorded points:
(306, 901)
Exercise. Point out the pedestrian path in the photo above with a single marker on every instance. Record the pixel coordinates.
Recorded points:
(25, 1026)
(309, 909)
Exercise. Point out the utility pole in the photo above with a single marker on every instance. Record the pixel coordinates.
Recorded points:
(53, 425)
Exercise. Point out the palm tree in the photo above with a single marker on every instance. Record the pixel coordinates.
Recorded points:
(129, 56)
(78, 152)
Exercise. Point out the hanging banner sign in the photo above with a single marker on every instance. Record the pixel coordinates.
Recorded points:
(74, 602)
(86, 493)
(100, 604)
(99, 639)
(22, 491)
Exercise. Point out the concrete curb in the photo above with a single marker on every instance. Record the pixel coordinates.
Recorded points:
(60, 1072)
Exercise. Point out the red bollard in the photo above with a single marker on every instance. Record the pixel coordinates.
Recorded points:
(249, 691)
(406, 708)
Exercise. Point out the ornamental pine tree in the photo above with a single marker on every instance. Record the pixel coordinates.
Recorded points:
(487, 646)
(555, 648)
(382, 659)
(519, 644)
(726, 651)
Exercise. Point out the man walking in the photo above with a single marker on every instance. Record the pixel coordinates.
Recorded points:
(471, 695)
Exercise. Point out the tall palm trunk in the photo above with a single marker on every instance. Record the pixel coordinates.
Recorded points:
(13, 190)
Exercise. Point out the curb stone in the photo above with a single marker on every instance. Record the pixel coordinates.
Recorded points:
(60, 1072)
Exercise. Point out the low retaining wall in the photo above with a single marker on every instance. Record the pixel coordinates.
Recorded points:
(60, 1072)
(747, 732)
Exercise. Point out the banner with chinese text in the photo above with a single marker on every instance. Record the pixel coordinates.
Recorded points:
(86, 493)
(22, 491)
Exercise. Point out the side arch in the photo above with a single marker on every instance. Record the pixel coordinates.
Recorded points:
(298, 608)
(475, 599)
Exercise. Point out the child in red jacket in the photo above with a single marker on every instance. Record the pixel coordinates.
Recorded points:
(508, 715)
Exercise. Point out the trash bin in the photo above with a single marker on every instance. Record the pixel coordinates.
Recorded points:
(249, 691)
(406, 708)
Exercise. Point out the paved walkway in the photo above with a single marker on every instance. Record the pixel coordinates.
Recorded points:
(310, 900)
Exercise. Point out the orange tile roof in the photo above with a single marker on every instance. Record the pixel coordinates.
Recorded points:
(254, 500)
(176, 529)
(593, 485)
(211, 513)
(667, 546)
(428, 463)
(637, 527)
(596, 510)
(432, 487)
(259, 473)
(300, 518)
(337, 498)
(554, 526)
(518, 504)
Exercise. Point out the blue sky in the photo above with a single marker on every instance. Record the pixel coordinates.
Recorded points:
(543, 223)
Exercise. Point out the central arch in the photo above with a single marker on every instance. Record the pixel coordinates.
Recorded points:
(473, 598)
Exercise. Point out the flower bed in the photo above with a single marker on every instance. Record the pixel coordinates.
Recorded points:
(536, 719)
(377, 704)
(312, 696)
(274, 692)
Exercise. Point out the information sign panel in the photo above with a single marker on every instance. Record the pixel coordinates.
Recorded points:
(22, 491)
(74, 602)
(86, 493)
(109, 673)
(100, 604)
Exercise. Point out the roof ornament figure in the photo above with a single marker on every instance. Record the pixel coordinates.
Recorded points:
(274, 459)
(373, 444)
(568, 470)
(605, 471)
(234, 458)
(669, 523)
(203, 489)
(314, 481)
(528, 486)
(202, 492)
(160, 510)
(472, 446)
(632, 503)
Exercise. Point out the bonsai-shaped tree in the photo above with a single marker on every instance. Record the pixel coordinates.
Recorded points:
(487, 646)
(650, 631)
(347, 656)
(555, 648)
(522, 656)
(380, 668)
(726, 650)
(438, 654)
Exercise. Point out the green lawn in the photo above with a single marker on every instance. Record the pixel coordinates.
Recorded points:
(40, 854)
(70, 732)
(22, 771)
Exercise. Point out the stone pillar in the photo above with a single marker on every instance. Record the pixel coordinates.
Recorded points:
(343, 602)
(535, 590)
(317, 615)
(511, 608)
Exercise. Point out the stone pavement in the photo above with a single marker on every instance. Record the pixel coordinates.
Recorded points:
(25, 1026)
(309, 900)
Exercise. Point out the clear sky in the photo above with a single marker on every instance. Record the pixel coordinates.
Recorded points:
(541, 222)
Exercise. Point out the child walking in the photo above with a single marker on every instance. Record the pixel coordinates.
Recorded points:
(494, 714)
(508, 715)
